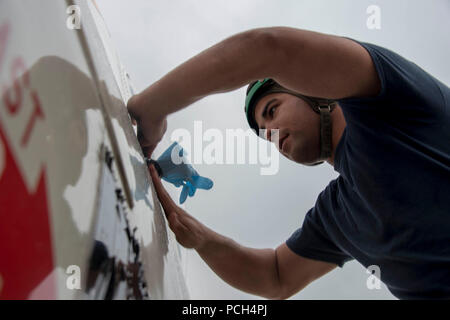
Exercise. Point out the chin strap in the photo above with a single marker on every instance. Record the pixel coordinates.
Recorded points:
(325, 130)
(323, 107)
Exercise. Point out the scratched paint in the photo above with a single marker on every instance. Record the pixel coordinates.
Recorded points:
(115, 268)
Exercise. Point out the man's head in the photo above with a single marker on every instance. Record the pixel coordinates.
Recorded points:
(304, 130)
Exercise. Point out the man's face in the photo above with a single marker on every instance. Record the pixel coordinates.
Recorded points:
(298, 125)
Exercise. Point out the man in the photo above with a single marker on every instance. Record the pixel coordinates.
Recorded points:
(380, 120)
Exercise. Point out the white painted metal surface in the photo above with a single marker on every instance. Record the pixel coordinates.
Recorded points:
(73, 180)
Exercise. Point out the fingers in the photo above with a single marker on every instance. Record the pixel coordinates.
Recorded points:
(150, 125)
(146, 146)
(148, 151)
(141, 137)
(163, 195)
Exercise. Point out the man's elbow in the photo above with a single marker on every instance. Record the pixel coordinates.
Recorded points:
(286, 290)
(265, 43)
(280, 291)
(280, 295)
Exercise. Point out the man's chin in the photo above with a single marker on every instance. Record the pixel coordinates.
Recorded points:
(303, 161)
(312, 164)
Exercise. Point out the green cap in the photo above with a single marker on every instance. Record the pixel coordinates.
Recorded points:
(249, 101)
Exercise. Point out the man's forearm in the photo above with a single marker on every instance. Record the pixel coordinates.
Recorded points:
(226, 66)
(251, 270)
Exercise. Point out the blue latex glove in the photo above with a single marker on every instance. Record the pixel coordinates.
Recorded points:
(180, 173)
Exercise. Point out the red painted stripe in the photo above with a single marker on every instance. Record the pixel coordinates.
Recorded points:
(25, 237)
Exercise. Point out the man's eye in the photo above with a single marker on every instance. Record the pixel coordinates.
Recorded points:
(272, 110)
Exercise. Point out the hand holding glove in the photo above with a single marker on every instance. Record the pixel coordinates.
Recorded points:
(172, 166)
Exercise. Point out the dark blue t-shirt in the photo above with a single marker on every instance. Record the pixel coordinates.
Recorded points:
(390, 205)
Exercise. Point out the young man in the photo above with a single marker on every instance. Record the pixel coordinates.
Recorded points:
(381, 121)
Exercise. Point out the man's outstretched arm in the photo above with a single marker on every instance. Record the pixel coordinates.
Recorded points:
(308, 62)
(273, 274)
(228, 65)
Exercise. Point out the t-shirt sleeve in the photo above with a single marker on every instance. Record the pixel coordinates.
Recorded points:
(406, 89)
(312, 239)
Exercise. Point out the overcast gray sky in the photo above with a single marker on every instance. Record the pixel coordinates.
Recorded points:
(153, 37)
